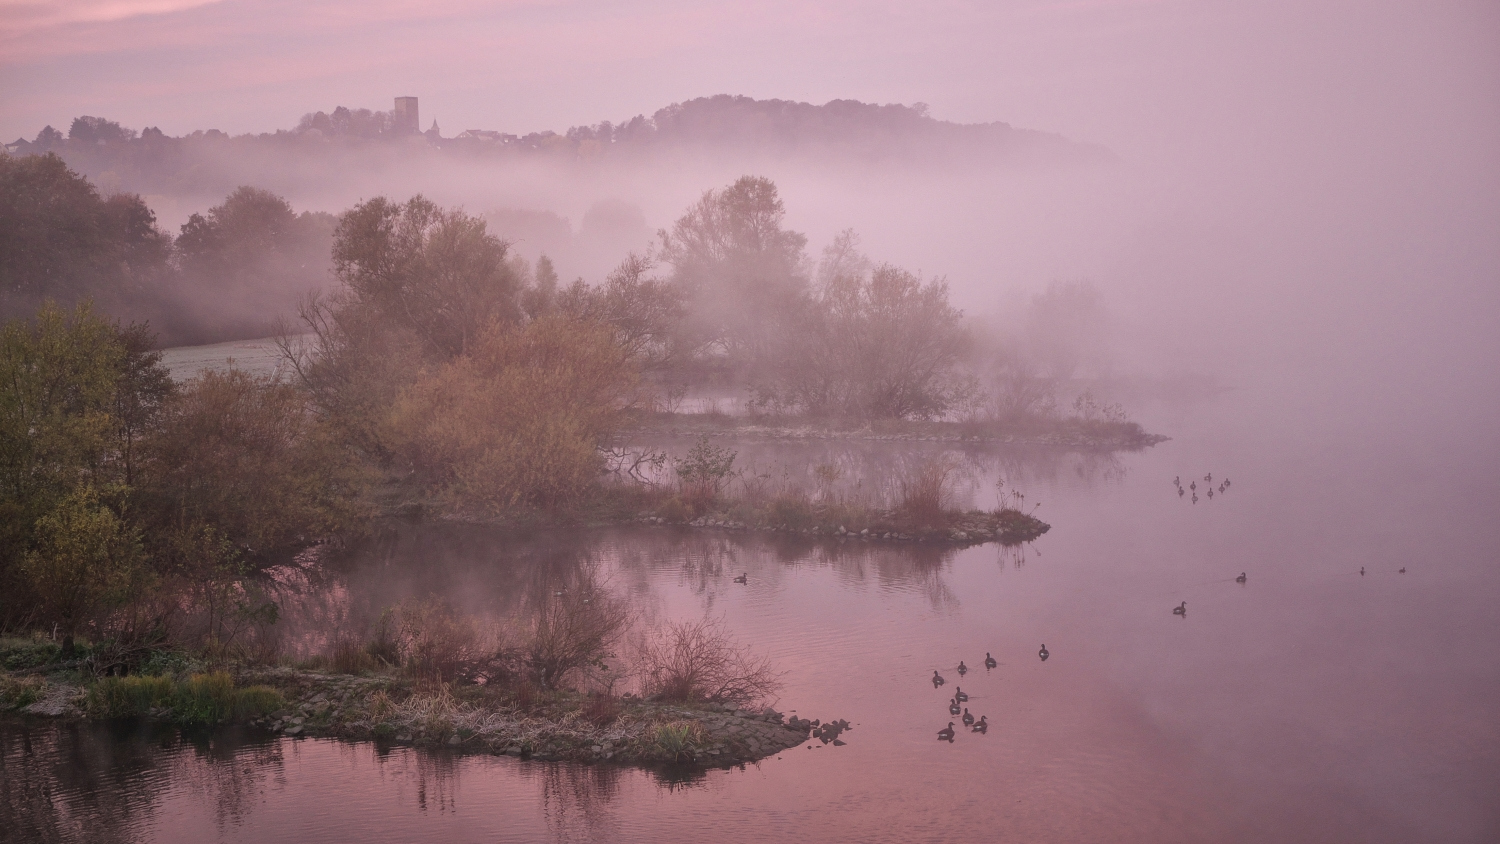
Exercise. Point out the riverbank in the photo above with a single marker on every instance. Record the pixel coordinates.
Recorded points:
(395, 710)
(1094, 435)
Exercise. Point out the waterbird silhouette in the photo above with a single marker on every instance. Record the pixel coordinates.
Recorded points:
(1221, 487)
(1403, 570)
(1193, 486)
(983, 724)
(962, 669)
(946, 733)
(1181, 492)
(1361, 571)
(743, 578)
(937, 679)
(1209, 477)
(953, 707)
(989, 661)
(1210, 493)
(1181, 610)
(968, 719)
(1043, 653)
(1195, 498)
(1241, 578)
(960, 695)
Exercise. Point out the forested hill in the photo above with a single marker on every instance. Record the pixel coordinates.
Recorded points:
(211, 162)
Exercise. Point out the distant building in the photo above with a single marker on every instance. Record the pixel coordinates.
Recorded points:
(405, 115)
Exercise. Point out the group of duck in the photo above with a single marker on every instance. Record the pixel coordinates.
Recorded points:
(1208, 480)
(960, 697)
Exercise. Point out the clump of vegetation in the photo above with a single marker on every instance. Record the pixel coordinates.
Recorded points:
(211, 698)
(676, 740)
(703, 474)
(925, 493)
(19, 692)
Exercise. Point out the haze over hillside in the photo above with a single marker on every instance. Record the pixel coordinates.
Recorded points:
(320, 150)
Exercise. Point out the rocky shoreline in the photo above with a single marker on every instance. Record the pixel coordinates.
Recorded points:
(396, 711)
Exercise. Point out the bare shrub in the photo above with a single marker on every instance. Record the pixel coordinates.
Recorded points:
(438, 643)
(575, 630)
(699, 660)
(926, 492)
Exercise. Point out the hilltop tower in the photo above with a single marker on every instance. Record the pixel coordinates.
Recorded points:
(405, 115)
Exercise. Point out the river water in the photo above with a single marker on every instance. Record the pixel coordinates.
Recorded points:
(1312, 703)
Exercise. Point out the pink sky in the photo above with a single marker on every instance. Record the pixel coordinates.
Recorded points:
(1132, 74)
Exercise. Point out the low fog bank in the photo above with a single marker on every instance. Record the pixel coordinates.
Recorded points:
(1306, 213)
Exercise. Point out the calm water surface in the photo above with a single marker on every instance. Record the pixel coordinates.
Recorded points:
(1312, 703)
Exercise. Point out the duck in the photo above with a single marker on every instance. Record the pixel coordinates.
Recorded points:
(953, 707)
(1181, 492)
(960, 695)
(1403, 570)
(937, 679)
(1195, 498)
(1361, 571)
(946, 733)
(743, 578)
(1193, 486)
(1043, 653)
(1241, 578)
(1180, 610)
(1210, 492)
(1177, 480)
(983, 724)
(962, 669)
(968, 719)
(989, 661)
(1209, 477)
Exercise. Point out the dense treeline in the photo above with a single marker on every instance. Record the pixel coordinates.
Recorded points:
(224, 276)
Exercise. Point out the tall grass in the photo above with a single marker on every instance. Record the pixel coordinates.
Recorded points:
(200, 699)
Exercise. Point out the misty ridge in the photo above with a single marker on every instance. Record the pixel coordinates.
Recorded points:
(210, 162)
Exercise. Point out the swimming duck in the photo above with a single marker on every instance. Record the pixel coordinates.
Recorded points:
(1181, 492)
(743, 578)
(1361, 571)
(960, 695)
(983, 724)
(1241, 578)
(1195, 498)
(1210, 492)
(1403, 570)
(946, 733)
(962, 669)
(937, 679)
(953, 707)
(968, 719)
(1043, 653)
(1193, 486)
(989, 661)
(1209, 477)
(1181, 610)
